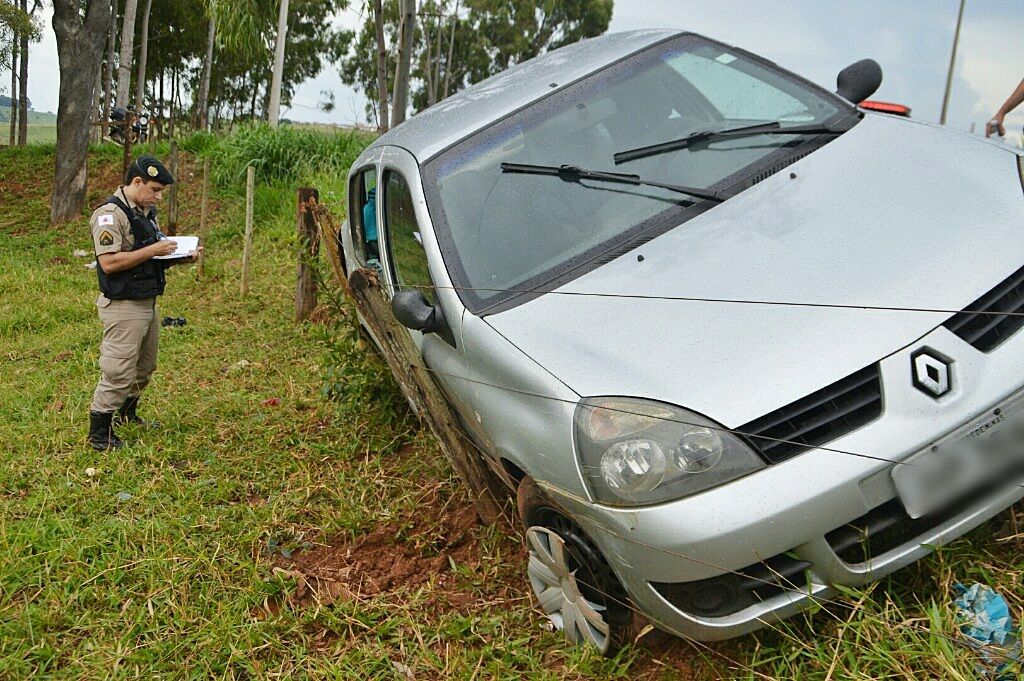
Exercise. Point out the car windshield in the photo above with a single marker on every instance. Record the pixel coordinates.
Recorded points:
(502, 233)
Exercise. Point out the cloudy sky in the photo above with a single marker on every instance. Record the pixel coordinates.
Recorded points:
(911, 39)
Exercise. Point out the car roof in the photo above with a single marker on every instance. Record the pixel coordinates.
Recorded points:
(438, 127)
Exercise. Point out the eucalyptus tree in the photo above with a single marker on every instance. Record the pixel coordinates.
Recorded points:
(124, 67)
(80, 28)
(460, 42)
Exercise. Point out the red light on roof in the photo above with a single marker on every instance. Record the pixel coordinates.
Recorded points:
(886, 107)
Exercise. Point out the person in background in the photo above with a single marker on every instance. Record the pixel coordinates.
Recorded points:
(996, 124)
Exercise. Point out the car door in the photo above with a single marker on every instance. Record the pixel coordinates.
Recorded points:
(412, 261)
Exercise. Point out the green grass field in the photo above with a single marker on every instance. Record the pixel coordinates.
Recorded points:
(42, 126)
(289, 520)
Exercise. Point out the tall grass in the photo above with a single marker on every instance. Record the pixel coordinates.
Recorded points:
(284, 154)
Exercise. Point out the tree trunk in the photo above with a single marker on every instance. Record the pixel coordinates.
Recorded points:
(79, 46)
(170, 112)
(14, 89)
(140, 79)
(451, 49)
(96, 131)
(23, 85)
(274, 108)
(203, 100)
(382, 68)
(108, 79)
(124, 66)
(407, 26)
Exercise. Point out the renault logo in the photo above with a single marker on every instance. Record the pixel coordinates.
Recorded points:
(931, 372)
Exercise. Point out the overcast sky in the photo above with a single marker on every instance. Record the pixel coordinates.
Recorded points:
(911, 39)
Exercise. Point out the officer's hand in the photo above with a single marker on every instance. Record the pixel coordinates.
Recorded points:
(164, 247)
(194, 255)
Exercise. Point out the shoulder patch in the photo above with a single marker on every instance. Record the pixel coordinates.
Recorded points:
(107, 219)
(106, 238)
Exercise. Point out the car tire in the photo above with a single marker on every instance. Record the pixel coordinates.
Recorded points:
(570, 578)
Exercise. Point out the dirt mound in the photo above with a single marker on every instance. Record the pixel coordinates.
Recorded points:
(396, 556)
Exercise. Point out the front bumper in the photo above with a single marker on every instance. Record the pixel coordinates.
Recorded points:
(803, 509)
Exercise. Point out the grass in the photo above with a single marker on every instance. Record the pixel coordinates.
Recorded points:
(181, 556)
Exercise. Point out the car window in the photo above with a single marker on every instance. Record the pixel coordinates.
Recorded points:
(405, 245)
(363, 215)
(739, 90)
(501, 232)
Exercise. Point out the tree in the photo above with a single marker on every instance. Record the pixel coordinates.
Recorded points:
(382, 66)
(464, 41)
(274, 109)
(140, 79)
(108, 78)
(124, 66)
(406, 29)
(23, 80)
(14, 88)
(17, 30)
(202, 99)
(79, 48)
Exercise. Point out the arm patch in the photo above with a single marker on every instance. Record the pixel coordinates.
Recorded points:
(106, 238)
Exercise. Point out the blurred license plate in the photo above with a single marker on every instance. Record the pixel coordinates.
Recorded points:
(986, 452)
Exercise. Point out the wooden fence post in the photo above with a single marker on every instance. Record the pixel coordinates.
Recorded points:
(172, 199)
(309, 248)
(250, 184)
(203, 207)
(490, 494)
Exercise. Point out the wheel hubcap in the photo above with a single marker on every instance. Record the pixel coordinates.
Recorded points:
(555, 586)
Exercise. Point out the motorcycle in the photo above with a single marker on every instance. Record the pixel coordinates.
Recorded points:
(139, 131)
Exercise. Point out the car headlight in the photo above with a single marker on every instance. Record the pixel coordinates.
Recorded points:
(636, 452)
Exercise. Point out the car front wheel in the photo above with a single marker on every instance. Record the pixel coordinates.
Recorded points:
(571, 580)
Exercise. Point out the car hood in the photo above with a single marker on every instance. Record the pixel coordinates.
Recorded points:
(890, 214)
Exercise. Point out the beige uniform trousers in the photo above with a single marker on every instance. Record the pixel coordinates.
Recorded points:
(131, 336)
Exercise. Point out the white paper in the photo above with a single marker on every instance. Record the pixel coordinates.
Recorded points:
(185, 244)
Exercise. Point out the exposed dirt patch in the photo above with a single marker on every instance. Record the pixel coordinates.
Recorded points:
(390, 559)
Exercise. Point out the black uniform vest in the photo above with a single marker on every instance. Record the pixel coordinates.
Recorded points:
(145, 280)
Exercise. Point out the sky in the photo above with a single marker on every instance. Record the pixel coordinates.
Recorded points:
(911, 39)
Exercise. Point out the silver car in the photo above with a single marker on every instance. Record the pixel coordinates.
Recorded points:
(734, 340)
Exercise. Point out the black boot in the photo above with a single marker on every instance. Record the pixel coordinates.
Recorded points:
(101, 431)
(127, 414)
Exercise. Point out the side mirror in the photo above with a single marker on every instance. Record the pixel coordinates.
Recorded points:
(859, 80)
(414, 311)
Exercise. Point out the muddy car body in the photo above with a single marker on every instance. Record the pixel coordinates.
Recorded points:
(703, 390)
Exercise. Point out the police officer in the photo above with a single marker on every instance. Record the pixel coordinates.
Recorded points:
(126, 239)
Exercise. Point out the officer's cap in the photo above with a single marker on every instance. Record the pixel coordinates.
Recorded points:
(149, 168)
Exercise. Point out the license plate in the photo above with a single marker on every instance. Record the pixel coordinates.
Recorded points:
(984, 452)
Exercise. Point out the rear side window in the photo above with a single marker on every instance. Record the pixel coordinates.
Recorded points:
(363, 215)
(408, 259)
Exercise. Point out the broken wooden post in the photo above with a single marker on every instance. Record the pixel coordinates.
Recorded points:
(490, 495)
(172, 198)
(203, 207)
(309, 248)
(331, 240)
(250, 186)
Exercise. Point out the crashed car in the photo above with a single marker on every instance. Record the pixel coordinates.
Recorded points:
(736, 342)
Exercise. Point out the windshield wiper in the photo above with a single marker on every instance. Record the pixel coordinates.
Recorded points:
(575, 174)
(774, 128)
